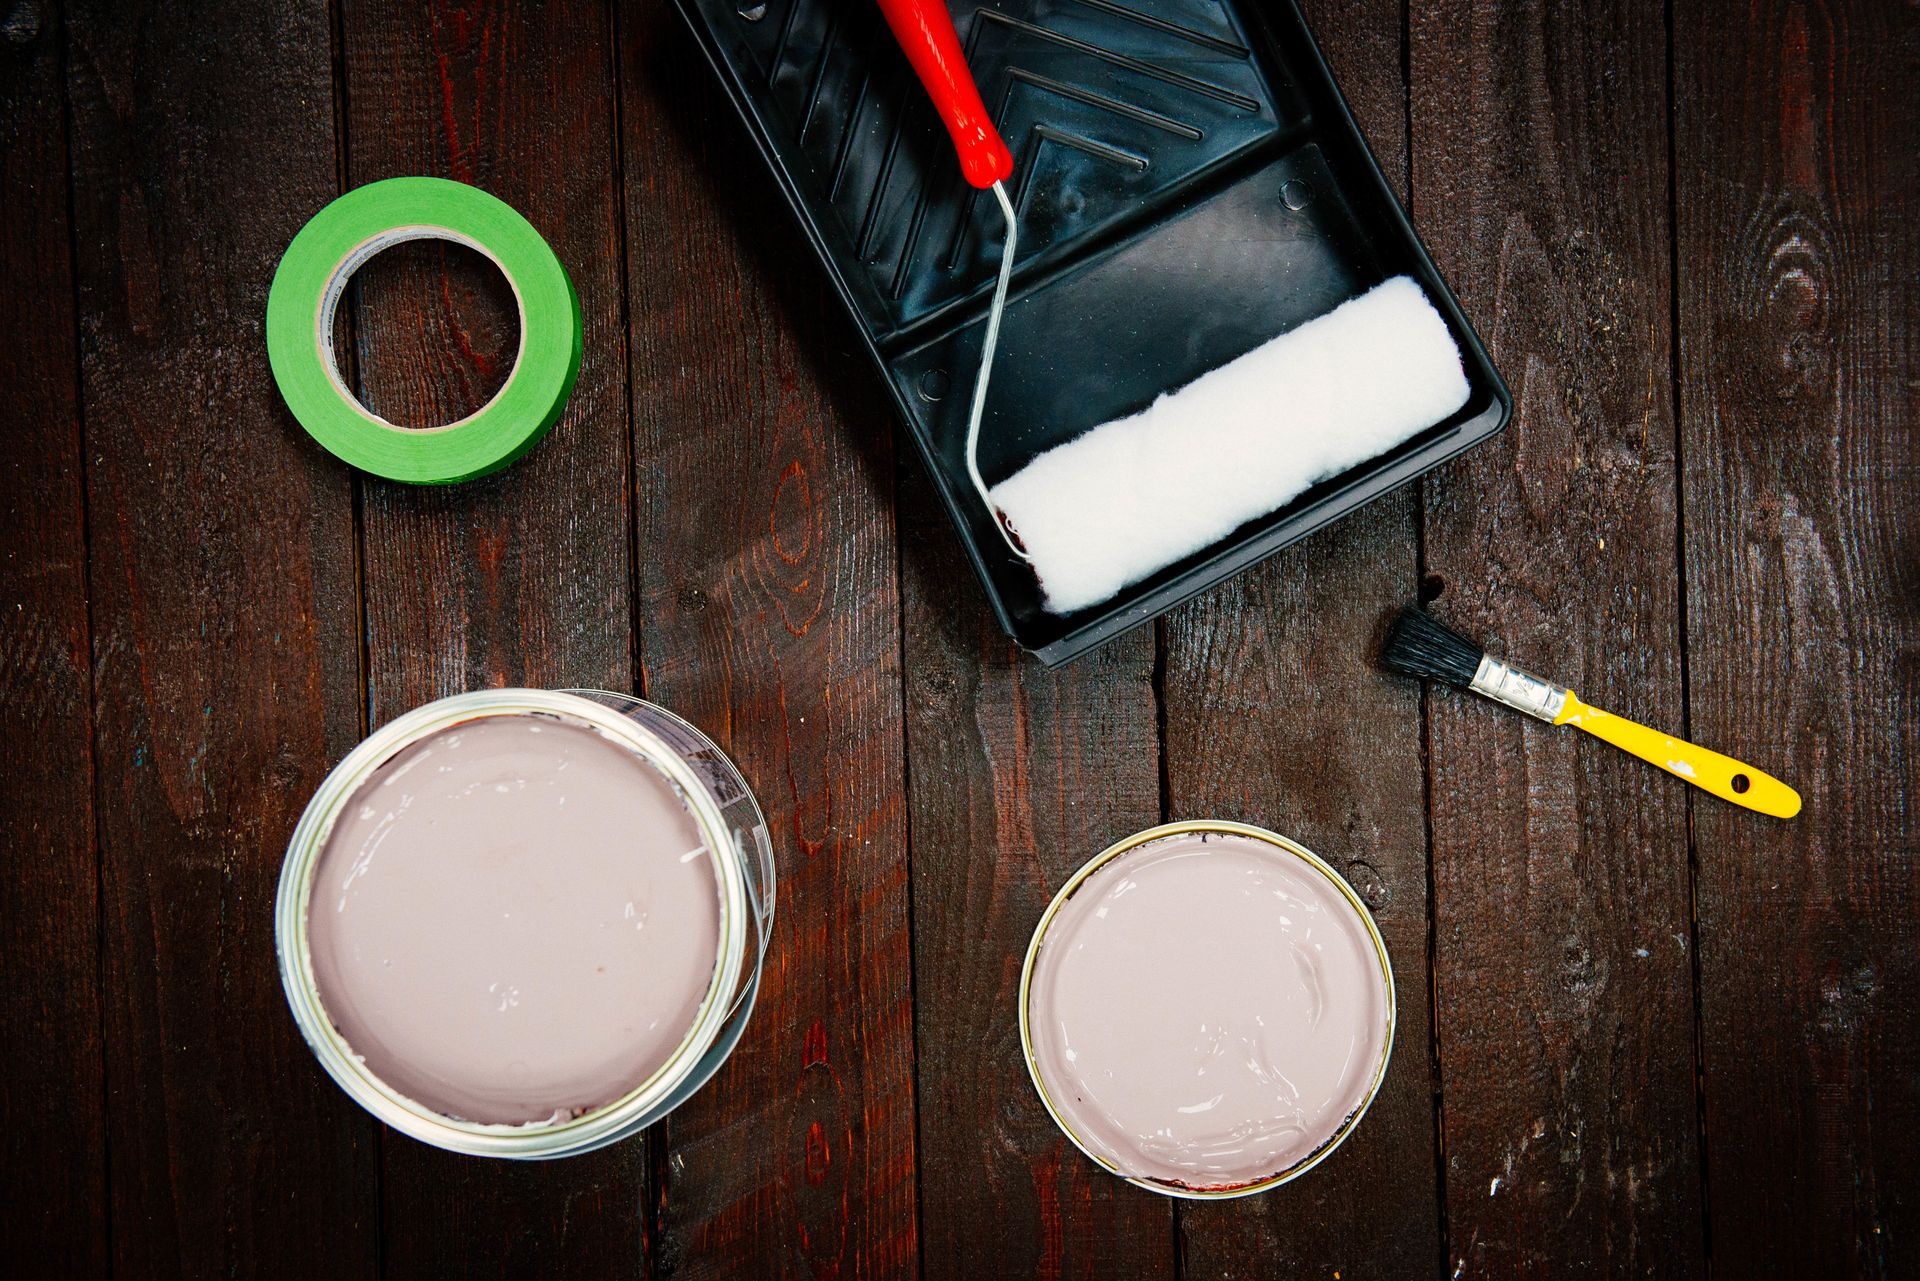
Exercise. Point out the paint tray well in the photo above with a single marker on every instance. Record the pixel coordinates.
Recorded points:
(1189, 185)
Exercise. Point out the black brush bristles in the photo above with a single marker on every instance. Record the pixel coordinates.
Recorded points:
(1419, 646)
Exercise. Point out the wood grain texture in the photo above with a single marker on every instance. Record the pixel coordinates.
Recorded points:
(1798, 194)
(768, 586)
(52, 1093)
(225, 650)
(164, 1117)
(1564, 1010)
(521, 578)
(1017, 775)
(1275, 715)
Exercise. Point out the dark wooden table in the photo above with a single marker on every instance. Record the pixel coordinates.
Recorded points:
(1641, 1032)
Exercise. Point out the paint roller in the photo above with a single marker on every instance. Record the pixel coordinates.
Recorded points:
(1132, 496)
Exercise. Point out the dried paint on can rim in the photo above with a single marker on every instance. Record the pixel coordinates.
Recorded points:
(1343, 893)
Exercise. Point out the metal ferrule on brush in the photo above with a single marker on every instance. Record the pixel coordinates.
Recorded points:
(1520, 690)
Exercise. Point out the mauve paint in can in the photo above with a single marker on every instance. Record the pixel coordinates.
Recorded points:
(1207, 1009)
(526, 923)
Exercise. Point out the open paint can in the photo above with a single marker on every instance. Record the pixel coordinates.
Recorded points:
(526, 923)
(1207, 1009)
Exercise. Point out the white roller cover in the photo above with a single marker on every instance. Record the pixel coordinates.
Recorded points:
(1137, 494)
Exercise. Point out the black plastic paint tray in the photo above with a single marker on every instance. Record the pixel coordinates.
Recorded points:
(1189, 184)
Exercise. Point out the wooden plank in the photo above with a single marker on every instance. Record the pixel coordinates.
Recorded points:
(1564, 975)
(521, 578)
(1018, 775)
(768, 585)
(223, 594)
(1275, 715)
(51, 1088)
(1798, 194)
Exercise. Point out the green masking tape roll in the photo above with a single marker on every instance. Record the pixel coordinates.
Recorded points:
(307, 288)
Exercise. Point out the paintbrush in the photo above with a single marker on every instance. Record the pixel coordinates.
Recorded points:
(1419, 646)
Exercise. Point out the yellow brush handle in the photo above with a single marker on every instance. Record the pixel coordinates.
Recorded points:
(1725, 777)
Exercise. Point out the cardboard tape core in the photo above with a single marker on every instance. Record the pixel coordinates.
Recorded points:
(365, 253)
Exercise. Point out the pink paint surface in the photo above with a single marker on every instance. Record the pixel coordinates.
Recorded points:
(514, 920)
(1207, 1011)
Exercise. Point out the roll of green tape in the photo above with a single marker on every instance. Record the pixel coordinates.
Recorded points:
(307, 288)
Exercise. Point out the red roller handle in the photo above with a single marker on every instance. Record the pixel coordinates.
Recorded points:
(925, 31)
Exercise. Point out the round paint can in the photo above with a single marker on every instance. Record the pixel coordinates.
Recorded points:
(724, 826)
(1207, 1009)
